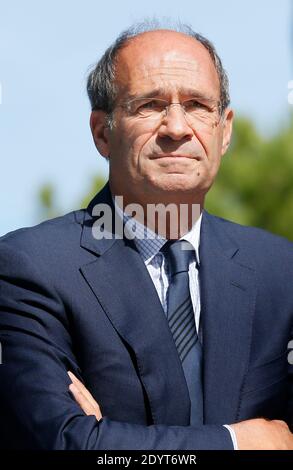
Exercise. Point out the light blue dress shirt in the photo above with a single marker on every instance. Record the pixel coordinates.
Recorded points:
(149, 244)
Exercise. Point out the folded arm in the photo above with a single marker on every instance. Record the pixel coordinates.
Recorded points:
(37, 409)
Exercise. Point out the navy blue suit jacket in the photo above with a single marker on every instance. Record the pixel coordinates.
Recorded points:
(71, 302)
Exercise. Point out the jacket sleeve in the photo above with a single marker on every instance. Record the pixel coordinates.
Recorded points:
(37, 410)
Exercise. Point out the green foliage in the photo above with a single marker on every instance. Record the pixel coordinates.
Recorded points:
(46, 196)
(47, 201)
(97, 183)
(255, 183)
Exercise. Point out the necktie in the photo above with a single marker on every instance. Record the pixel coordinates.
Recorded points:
(181, 321)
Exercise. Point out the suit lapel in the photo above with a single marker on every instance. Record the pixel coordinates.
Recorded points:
(124, 289)
(228, 292)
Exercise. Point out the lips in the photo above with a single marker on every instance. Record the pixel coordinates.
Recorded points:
(156, 157)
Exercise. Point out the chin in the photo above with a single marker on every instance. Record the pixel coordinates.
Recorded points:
(175, 183)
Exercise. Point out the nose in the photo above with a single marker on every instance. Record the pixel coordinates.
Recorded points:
(174, 124)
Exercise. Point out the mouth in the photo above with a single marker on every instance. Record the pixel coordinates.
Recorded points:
(175, 157)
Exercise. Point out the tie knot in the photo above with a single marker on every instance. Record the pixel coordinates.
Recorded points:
(179, 254)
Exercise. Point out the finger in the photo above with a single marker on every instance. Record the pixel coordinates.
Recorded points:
(80, 386)
(82, 400)
(281, 423)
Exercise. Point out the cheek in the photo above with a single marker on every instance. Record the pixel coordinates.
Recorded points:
(128, 148)
(137, 143)
(212, 144)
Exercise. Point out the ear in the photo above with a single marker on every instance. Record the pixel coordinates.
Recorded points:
(227, 130)
(100, 130)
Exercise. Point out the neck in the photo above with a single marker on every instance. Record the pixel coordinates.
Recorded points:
(166, 216)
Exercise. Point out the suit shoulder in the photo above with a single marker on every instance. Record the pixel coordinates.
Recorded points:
(52, 231)
(255, 238)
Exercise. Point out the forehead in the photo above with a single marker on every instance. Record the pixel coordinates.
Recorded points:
(167, 60)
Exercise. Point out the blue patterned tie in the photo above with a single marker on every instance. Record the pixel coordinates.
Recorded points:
(181, 320)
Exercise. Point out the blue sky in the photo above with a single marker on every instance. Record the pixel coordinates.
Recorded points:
(46, 49)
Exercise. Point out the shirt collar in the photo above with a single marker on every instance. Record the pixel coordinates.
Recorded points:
(149, 243)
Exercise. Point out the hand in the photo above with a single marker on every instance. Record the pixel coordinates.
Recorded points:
(83, 397)
(262, 434)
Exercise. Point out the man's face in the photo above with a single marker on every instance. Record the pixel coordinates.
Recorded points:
(171, 157)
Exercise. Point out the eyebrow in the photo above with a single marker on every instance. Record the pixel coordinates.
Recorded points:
(184, 91)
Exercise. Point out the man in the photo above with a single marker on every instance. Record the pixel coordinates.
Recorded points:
(110, 311)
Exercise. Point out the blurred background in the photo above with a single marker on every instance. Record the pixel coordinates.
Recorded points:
(49, 164)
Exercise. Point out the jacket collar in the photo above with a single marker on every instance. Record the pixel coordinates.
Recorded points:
(122, 285)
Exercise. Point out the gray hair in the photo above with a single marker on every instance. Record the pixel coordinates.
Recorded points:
(101, 87)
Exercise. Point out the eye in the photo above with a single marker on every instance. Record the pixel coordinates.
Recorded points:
(148, 105)
(192, 105)
(151, 105)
